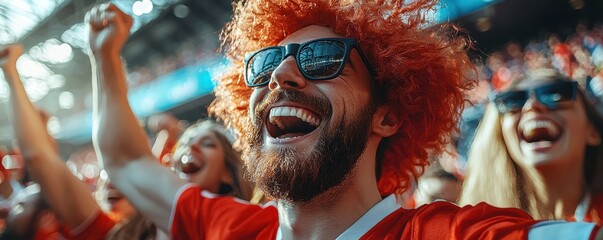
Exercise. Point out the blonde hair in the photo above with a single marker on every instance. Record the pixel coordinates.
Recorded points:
(494, 177)
(508, 184)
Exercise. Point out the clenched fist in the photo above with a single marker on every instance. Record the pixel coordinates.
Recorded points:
(109, 29)
(9, 55)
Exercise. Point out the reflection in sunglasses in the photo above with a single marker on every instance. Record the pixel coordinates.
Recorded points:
(549, 95)
(319, 59)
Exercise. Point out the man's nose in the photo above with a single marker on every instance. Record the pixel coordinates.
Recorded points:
(287, 75)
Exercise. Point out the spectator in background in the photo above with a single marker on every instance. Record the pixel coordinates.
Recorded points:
(502, 76)
(539, 149)
(79, 212)
(15, 165)
(30, 218)
(43, 163)
(166, 128)
(562, 57)
(9, 188)
(9, 185)
(471, 116)
(204, 156)
(437, 184)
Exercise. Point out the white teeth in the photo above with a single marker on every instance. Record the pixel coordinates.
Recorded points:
(300, 113)
(528, 127)
(541, 144)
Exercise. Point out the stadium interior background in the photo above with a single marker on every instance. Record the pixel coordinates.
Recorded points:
(171, 54)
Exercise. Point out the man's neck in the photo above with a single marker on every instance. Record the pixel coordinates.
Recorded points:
(327, 215)
(331, 213)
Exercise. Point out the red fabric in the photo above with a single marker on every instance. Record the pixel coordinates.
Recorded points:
(198, 217)
(50, 234)
(221, 217)
(98, 229)
(564, 54)
(595, 211)
(443, 220)
(49, 228)
(593, 234)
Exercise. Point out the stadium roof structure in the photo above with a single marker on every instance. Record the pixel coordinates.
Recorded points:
(55, 64)
(54, 35)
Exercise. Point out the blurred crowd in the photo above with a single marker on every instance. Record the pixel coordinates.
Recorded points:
(482, 162)
(576, 54)
(186, 54)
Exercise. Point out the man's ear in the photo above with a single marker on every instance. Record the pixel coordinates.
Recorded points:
(386, 121)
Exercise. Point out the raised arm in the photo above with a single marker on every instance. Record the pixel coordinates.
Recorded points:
(39, 151)
(118, 138)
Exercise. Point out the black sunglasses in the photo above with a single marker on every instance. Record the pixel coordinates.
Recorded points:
(319, 59)
(549, 95)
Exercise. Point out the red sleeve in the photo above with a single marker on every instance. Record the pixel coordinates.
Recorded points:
(442, 220)
(198, 214)
(484, 221)
(595, 211)
(596, 230)
(99, 228)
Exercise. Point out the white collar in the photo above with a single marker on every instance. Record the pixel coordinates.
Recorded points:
(582, 208)
(373, 216)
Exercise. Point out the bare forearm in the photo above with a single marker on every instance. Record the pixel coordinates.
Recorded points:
(117, 132)
(56, 181)
(124, 148)
(27, 124)
(43, 161)
(121, 143)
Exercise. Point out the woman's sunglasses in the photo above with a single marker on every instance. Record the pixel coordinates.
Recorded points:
(319, 59)
(550, 95)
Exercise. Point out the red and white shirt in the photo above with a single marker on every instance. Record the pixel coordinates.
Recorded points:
(97, 226)
(590, 209)
(199, 214)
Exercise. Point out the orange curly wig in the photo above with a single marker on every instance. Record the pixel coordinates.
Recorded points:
(423, 69)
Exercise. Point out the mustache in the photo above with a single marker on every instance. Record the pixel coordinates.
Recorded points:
(322, 106)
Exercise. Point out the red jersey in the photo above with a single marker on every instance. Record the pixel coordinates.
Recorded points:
(595, 210)
(198, 214)
(97, 226)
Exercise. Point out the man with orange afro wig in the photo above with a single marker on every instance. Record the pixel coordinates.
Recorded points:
(336, 104)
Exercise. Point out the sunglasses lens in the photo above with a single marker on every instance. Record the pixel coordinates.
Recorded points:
(551, 95)
(510, 101)
(322, 59)
(260, 66)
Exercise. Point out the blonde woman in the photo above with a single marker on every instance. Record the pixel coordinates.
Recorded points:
(539, 149)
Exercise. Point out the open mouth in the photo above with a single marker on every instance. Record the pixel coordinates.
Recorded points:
(189, 166)
(540, 131)
(291, 122)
